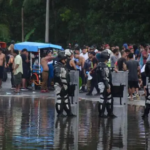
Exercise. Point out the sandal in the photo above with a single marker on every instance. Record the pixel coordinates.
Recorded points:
(43, 91)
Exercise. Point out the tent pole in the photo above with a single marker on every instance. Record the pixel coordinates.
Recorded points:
(39, 67)
(31, 63)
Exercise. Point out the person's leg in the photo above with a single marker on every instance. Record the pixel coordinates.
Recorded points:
(136, 86)
(147, 104)
(130, 90)
(19, 76)
(96, 86)
(92, 87)
(16, 83)
(131, 93)
(83, 81)
(67, 105)
(1, 75)
(12, 79)
(109, 105)
(0, 83)
(44, 82)
(146, 111)
(133, 89)
(102, 104)
(24, 83)
(59, 101)
(144, 82)
(88, 85)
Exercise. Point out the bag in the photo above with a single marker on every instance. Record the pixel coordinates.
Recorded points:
(5, 75)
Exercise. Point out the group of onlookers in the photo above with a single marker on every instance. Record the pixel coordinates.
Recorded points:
(17, 64)
(128, 57)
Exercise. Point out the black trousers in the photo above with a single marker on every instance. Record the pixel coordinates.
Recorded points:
(94, 84)
(82, 77)
(106, 101)
(12, 78)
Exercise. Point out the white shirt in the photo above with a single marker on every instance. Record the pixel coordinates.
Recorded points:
(95, 50)
(18, 61)
(85, 56)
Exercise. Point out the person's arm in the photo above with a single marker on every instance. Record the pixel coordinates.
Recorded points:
(5, 61)
(138, 68)
(9, 62)
(73, 64)
(17, 63)
(94, 65)
(124, 67)
(80, 61)
(16, 66)
(27, 60)
(83, 61)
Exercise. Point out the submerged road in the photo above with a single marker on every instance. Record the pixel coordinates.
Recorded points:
(29, 123)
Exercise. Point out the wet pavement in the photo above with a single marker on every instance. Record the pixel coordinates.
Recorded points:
(30, 124)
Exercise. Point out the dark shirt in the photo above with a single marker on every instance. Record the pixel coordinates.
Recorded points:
(132, 66)
(87, 65)
(68, 65)
(55, 61)
(7, 59)
(24, 63)
(120, 63)
(94, 61)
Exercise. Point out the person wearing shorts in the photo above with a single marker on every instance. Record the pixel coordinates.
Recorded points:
(1, 72)
(134, 68)
(2, 62)
(25, 62)
(133, 84)
(18, 70)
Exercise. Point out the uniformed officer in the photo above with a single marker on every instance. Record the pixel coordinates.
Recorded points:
(61, 81)
(105, 83)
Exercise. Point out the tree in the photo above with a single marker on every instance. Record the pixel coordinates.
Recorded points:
(85, 22)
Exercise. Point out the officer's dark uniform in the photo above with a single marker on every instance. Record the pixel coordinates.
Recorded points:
(104, 82)
(147, 101)
(61, 81)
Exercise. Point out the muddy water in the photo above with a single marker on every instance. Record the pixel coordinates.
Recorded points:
(30, 124)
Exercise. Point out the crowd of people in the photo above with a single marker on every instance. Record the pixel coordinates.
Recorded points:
(128, 57)
(131, 58)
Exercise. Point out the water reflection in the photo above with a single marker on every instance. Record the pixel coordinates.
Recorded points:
(26, 124)
(138, 130)
(96, 133)
(31, 124)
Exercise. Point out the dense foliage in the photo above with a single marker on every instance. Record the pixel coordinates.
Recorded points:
(82, 21)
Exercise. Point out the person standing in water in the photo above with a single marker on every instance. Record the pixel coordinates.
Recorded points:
(104, 80)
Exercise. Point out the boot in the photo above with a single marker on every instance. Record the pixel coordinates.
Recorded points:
(109, 111)
(67, 108)
(59, 110)
(101, 110)
(146, 112)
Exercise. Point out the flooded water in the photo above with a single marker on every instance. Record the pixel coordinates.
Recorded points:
(30, 124)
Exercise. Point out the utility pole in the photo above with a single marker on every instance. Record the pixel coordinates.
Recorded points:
(22, 20)
(47, 22)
